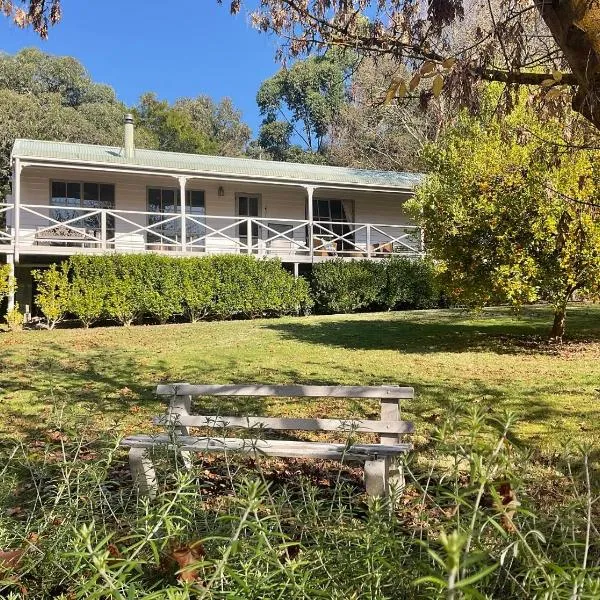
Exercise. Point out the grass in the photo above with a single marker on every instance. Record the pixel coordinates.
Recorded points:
(479, 516)
(102, 380)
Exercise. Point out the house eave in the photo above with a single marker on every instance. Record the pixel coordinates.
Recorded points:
(40, 161)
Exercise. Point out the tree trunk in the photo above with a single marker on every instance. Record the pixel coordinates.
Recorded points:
(558, 327)
(575, 26)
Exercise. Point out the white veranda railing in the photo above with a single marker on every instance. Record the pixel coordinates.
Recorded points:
(106, 229)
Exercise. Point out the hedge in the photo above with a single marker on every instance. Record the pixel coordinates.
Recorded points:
(340, 286)
(130, 288)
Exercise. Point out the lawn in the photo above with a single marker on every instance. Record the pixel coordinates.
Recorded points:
(102, 380)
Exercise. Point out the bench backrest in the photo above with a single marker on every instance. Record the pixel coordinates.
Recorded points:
(389, 426)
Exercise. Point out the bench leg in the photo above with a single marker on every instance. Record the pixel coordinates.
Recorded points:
(376, 477)
(395, 474)
(142, 472)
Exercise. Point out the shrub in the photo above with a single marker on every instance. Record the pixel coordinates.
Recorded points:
(198, 282)
(251, 288)
(129, 287)
(160, 284)
(88, 288)
(346, 286)
(398, 283)
(15, 318)
(126, 282)
(6, 282)
(53, 293)
(409, 284)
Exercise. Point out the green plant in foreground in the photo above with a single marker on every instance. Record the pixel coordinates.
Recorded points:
(449, 534)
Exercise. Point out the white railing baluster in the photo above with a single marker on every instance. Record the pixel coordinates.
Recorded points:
(249, 235)
(103, 229)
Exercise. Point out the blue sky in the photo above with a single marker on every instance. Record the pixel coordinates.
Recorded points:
(177, 48)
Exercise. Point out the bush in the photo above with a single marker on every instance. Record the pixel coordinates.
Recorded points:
(129, 287)
(15, 318)
(410, 284)
(252, 288)
(126, 280)
(340, 286)
(53, 294)
(198, 283)
(88, 288)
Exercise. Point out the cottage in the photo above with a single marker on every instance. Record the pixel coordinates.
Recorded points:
(80, 198)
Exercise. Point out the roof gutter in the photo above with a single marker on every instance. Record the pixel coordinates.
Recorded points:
(163, 171)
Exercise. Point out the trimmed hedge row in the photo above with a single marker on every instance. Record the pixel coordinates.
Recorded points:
(129, 288)
(396, 284)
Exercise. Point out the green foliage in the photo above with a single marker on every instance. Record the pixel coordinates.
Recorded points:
(53, 296)
(199, 283)
(127, 282)
(130, 287)
(347, 286)
(478, 518)
(6, 282)
(251, 288)
(54, 98)
(162, 294)
(410, 284)
(309, 95)
(88, 288)
(511, 215)
(340, 286)
(220, 121)
(15, 318)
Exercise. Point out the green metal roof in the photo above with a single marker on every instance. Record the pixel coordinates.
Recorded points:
(219, 166)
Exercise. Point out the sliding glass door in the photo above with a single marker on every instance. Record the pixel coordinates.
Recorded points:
(165, 204)
(333, 217)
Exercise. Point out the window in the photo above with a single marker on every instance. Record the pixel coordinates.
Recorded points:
(66, 196)
(248, 206)
(333, 217)
(165, 202)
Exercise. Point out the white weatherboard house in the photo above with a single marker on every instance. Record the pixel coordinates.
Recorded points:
(78, 198)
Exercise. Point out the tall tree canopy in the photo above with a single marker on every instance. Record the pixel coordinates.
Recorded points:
(54, 98)
(513, 218)
(514, 43)
(301, 103)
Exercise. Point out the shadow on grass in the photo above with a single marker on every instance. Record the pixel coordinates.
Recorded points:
(449, 331)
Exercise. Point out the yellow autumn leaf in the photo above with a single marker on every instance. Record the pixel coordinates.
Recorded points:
(556, 75)
(438, 84)
(449, 63)
(548, 82)
(393, 90)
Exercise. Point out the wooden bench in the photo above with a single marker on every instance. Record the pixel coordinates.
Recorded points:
(381, 467)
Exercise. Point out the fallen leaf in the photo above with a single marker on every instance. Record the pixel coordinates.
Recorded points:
(185, 556)
(10, 559)
(507, 506)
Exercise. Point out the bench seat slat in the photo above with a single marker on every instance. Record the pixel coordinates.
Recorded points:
(281, 448)
(286, 423)
(287, 391)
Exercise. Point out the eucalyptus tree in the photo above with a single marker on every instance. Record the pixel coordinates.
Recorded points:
(299, 105)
